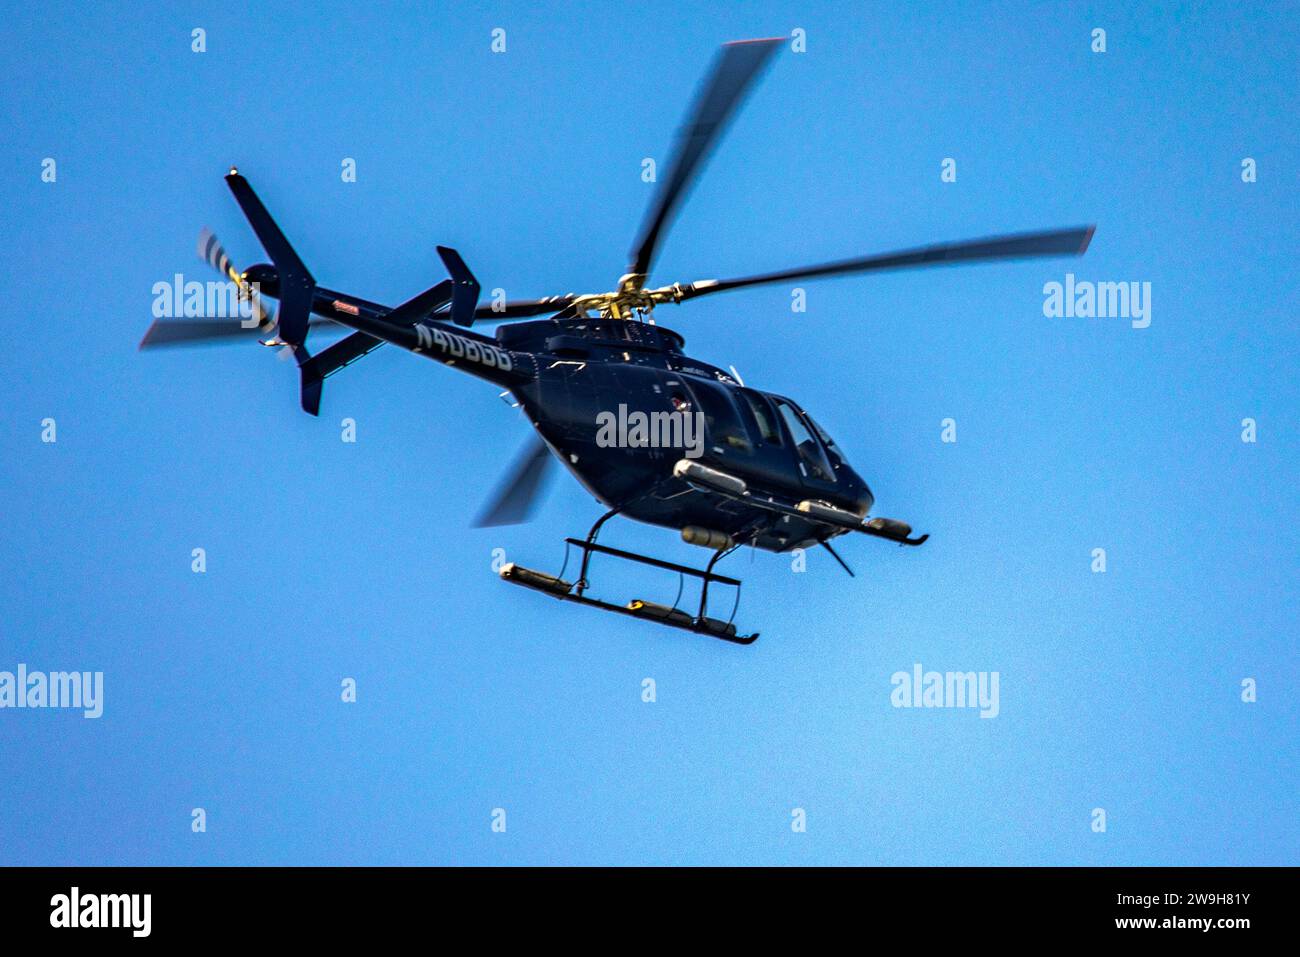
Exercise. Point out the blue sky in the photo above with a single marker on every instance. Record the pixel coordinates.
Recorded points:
(329, 560)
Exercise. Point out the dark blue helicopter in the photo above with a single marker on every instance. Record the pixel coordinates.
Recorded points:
(652, 433)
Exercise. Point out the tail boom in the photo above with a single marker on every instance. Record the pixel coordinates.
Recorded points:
(409, 325)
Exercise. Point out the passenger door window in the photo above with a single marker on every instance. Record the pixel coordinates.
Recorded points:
(721, 418)
(768, 431)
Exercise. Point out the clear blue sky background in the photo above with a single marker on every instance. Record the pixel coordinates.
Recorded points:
(328, 560)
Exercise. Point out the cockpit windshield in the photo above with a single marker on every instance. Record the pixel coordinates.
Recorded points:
(827, 441)
(811, 457)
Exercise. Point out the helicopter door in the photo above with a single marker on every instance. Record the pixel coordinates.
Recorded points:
(660, 396)
(773, 462)
(813, 464)
(725, 436)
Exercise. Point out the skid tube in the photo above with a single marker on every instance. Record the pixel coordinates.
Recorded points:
(672, 616)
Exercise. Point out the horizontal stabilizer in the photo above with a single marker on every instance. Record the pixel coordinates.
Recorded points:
(420, 307)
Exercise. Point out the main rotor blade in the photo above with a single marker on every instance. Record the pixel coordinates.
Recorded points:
(734, 70)
(1057, 242)
(513, 500)
(177, 332)
(522, 308)
(196, 332)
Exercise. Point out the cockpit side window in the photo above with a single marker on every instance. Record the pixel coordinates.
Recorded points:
(811, 456)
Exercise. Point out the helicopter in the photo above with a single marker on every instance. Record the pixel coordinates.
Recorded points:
(653, 434)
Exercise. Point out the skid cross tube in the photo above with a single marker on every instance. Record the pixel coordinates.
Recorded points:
(589, 546)
(698, 624)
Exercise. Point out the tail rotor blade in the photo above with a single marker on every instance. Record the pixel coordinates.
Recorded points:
(214, 254)
(211, 251)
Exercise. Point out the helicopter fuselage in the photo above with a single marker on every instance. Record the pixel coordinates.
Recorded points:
(573, 377)
(592, 376)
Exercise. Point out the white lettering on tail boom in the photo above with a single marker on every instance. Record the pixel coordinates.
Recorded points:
(458, 347)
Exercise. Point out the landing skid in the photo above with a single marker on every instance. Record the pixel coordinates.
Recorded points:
(671, 615)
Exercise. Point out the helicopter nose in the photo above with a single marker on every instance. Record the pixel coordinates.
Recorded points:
(863, 500)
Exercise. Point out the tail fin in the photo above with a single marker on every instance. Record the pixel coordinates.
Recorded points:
(297, 287)
(464, 298)
(297, 291)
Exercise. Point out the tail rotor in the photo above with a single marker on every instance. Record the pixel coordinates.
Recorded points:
(214, 254)
(207, 329)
